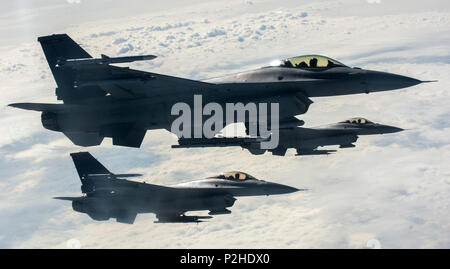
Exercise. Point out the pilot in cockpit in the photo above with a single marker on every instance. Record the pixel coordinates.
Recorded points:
(234, 176)
(313, 62)
(302, 65)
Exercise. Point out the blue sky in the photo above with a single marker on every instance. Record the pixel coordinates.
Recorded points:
(393, 188)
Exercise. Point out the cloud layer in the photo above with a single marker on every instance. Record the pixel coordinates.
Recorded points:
(393, 188)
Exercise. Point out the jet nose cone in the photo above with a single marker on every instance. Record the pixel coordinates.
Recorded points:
(381, 81)
(289, 189)
(280, 189)
(393, 129)
(387, 129)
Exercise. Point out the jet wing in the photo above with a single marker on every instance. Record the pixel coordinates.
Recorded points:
(309, 132)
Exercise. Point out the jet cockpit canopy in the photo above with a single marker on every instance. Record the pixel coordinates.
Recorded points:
(235, 175)
(309, 61)
(357, 121)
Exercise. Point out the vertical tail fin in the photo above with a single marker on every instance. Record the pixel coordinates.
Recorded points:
(86, 165)
(62, 47)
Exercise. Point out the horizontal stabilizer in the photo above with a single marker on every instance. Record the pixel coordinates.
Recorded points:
(43, 107)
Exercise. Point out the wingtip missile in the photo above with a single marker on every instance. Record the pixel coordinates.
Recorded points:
(183, 219)
(315, 152)
(104, 60)
(129, 175)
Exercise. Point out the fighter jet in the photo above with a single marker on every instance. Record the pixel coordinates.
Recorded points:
(109, 195)
(102, 100)
(304, 140)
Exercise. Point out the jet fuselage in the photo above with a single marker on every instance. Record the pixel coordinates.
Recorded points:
(109, 196)
(103, 100)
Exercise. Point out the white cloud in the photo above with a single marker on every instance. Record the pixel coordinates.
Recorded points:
(387, 188)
